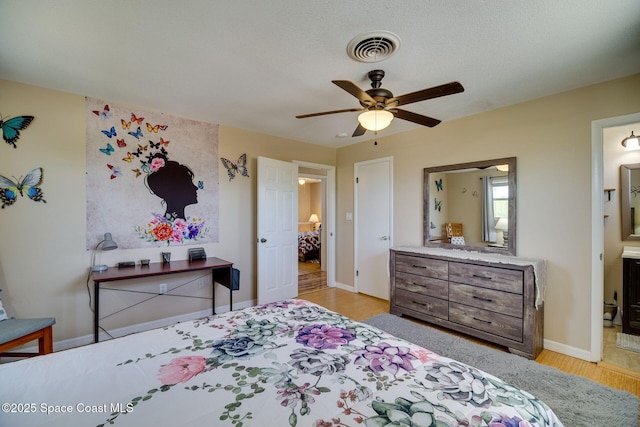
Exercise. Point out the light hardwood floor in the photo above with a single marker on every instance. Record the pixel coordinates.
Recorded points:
(360, 307)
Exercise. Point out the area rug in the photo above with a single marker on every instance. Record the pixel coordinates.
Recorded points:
(577, 401)
(628, 342)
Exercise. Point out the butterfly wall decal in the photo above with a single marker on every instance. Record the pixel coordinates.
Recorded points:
(125, 125)
(115, 171)
(9, 188)
(110, 133)
(104, 114)
(136, 119)
(108, 150)
(439, 184)
(11, 128)
(201, 185)
(156, 128)
(137, 134)
(121, 143)
(237, 167)
(437, 204)
(129, 157)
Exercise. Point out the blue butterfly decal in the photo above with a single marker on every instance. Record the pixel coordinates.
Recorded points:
(238, 167)
(201, 185)
(137, 134)
(110, 133)
(432, 225)
(439, 184)
(437, 204)
(12, 127)
(9, 188)
(107, 150)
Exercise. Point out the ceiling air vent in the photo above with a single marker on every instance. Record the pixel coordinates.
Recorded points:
(373, 46)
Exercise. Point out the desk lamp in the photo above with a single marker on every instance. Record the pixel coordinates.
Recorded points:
(108, 244)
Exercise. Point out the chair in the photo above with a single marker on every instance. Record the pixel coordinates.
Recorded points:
(16, 332)
(453, 232)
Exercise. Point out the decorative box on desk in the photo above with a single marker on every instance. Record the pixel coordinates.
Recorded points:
(494, 297)
(221, 272)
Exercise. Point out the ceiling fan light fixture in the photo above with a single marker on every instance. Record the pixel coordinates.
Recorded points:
(375, 120)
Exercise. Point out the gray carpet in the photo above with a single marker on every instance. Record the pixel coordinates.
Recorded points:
(577, 401)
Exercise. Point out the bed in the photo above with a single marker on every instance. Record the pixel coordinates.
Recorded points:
(308, 245)
(291, 363)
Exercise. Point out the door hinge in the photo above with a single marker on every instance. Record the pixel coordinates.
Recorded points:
(357, 272)
(357, 180)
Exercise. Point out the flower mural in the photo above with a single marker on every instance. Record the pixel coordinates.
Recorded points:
(172, 230)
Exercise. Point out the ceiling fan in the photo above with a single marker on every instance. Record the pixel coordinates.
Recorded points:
(379, 106)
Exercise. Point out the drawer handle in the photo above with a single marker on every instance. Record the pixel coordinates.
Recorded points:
(483, 299)
(419, 303)
(418, 266)
(483, 277)
(483, 321)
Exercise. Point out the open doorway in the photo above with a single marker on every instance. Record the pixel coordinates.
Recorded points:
(316, 195)
(606, 249)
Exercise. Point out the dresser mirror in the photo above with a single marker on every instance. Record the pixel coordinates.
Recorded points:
(630, 201)
(472, 206)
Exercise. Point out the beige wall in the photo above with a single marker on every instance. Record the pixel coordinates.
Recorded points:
(43, 263)
(551, 138)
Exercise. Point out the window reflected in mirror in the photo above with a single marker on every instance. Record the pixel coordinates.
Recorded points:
(477, 198)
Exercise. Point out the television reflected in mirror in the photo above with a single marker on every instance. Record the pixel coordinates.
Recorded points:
(471, 206)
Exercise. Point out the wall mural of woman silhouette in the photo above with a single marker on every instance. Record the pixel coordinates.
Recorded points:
(151, 178)
(172, 182)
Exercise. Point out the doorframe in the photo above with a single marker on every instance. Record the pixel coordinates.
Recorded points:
(597, 225)
(388, 159)
(328, 223)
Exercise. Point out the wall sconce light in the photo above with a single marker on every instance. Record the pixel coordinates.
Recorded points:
(301, 181)
(107, 244)
(631, 143)
(314, 220)
(375, 120)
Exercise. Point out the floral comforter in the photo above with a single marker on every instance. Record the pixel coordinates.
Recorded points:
(291, 363)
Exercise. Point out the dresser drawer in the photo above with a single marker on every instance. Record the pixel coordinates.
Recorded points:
(435, 268)
(501, 279)
(487, 299)
(423, 303)
(487, 321)
(423, 285)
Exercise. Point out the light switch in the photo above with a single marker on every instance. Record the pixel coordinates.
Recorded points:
(349, 216)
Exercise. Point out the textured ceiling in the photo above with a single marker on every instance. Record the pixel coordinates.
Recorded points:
(255, 65)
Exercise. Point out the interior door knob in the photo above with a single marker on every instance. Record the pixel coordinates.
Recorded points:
(384, 238)
(263, 240)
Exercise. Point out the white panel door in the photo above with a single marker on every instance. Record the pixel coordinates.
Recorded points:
(277, 230)
(373, 209)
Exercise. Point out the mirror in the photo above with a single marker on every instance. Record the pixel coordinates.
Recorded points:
(478, 200)
(630, 201)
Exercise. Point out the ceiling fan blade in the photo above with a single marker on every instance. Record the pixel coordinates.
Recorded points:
(360, 130)
(422, 95)
(324, 113)
(415, 118)
(354, 90)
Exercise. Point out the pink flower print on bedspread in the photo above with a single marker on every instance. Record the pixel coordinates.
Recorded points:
(181, 369)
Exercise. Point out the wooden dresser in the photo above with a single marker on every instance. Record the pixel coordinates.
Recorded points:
(493, 297)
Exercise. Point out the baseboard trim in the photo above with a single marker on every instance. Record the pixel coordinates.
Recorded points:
(578, 353)
(345, 287)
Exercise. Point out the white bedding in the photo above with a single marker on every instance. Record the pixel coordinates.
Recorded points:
(291, 363)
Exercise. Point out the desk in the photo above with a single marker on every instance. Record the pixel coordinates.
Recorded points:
(220, 273)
